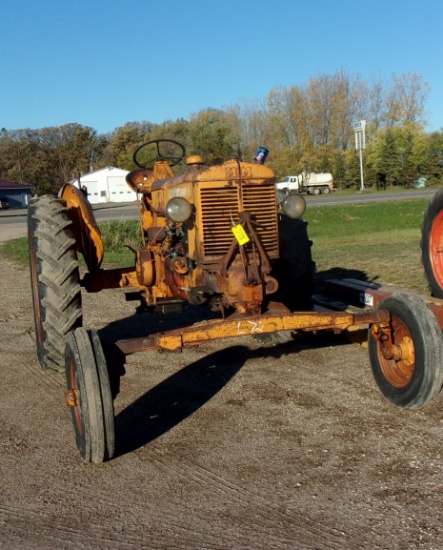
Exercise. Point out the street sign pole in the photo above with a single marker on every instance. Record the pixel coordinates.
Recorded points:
(360, 144)
(362, 186)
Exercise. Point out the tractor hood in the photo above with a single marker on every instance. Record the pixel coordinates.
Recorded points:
(230, 172)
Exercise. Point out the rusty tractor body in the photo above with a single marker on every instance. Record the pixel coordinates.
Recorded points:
(211, 236)
(192, 226)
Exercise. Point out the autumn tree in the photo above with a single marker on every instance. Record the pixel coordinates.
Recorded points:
(211, 135)
(406, 99)
(125, 139)
(308, 126)
(433, 165)
(71, 149)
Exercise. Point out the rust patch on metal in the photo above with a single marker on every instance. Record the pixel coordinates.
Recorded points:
(241, 325)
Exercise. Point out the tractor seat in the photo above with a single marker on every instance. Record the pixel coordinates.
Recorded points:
(140, 181)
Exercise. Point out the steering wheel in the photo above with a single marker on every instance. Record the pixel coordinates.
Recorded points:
(165, 149)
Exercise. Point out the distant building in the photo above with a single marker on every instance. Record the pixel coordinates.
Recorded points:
(17, 194)
(106, 185)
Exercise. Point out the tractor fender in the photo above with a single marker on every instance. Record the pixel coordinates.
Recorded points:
(87, 232)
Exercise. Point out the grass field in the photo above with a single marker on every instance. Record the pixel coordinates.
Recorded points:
(377, 241)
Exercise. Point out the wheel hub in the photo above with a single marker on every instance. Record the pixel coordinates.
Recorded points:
(396, 353)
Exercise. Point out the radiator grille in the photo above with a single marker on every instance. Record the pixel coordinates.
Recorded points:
(220, 204)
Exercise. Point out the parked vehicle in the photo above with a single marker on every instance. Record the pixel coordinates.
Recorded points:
(4, 203)
(310, 183)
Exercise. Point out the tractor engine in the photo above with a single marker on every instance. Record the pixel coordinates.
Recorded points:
(210, 234)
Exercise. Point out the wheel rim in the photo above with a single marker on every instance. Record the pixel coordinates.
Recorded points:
(76, 400)
(399, 373)
(436, 248)
(73, 400)
(35, 294)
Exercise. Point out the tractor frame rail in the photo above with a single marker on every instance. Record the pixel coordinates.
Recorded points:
(346, 293)
(277, 318)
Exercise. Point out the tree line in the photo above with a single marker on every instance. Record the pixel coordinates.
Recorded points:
(306, 127)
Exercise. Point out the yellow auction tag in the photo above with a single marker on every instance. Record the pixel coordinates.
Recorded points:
(240, 235)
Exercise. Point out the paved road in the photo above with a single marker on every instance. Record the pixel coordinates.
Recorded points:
(359, 197)
(13, 223)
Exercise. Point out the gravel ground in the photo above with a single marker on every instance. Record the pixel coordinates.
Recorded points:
(226, 446)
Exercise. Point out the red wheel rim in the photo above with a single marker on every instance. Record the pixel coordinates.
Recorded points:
(399, 373)
(436, 248)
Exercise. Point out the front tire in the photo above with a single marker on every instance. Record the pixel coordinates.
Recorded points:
(417, 377)
(431, 244)
(55, 279)
(89, 396)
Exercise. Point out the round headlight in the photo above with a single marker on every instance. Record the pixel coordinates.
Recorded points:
(294, 205)
(179, 209)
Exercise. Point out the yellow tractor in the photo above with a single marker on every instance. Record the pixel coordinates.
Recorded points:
(213, 236)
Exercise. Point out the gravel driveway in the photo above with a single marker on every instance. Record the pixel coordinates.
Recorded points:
(226, 446)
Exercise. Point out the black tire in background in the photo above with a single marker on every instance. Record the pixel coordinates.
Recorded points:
(417, 378)
(294, 270)
(431, 244)
(55, 279)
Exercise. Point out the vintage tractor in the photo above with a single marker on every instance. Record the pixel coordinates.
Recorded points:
(211, 236)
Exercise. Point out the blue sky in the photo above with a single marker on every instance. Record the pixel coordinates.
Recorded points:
(102, 63)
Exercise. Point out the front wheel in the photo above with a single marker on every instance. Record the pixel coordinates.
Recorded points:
(89, 396)
(415, 376)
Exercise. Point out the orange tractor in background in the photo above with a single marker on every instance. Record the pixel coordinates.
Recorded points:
(214, 236)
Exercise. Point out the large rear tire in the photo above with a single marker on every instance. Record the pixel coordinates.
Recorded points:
(55, 279)
(417, 377)
(295, 268)
(294, 271)
(431, 244)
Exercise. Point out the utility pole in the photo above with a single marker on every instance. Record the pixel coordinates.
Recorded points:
(360, 144)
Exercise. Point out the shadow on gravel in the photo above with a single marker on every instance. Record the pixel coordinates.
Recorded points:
(183, 393)
(176, 398)
(341, 273)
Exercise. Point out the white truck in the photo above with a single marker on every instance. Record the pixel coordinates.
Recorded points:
(311, 183)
